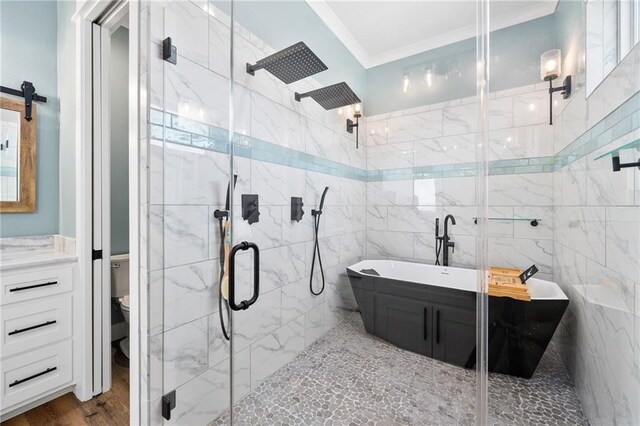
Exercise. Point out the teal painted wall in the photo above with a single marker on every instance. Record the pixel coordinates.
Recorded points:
(67, 89)
(28, 49)
(118, 75)
(515, 61)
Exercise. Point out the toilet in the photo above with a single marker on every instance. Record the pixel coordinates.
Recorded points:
(120, 291)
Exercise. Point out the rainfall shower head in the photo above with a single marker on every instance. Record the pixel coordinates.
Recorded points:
(291, 64)
(331, 97)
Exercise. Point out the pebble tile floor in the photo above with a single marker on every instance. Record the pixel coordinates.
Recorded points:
(349, 377)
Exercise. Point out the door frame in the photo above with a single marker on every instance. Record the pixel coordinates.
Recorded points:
(93, 343)
(101, 57)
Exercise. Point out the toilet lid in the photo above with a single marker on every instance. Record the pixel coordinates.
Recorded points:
(125, 302)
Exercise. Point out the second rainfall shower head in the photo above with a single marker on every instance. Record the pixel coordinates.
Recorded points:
(331, 97)
(291, 64)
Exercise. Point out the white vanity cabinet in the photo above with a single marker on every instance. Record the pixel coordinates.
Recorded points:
(36, 322)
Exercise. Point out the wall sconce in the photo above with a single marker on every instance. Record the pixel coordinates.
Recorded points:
(550, 69)
(350, 124)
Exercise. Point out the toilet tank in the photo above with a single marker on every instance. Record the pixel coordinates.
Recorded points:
(119, 275)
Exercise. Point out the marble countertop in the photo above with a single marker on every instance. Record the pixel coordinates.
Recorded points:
(22, 252)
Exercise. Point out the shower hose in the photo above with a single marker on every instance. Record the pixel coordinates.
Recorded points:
(316, 249)
(316, 245)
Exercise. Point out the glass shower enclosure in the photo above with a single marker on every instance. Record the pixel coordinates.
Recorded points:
(244, 250)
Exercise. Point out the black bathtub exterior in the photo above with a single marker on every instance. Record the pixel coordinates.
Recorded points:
(440, 322)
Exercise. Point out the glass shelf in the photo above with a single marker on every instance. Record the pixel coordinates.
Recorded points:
(633, 144)
(533, 221)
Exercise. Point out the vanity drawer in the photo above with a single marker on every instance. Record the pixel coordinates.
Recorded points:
(35, 373)
(28, 325)
(35, 283)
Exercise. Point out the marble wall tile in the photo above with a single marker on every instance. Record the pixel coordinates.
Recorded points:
(195, 176)
(377, 218)
(281, 265)
(377, 132)
(390, 156)
(264, 317)
(276, 124)
(318, 139)
(573, 184)
(521, 142)
(190, 292)
(155, 242)
(500, 113)
(275, 350)
(465, 253)
(352, 247)
(188, 27)
(529, 189)
(411, 218)
(185, 352)
(459, 191)
(531, 108)
(219, 47)
(314, 324)
(390, 244)
(445, 150)
(623, 241)
(424, 247)
(218, 346)
(582, 228)
(399, 192)
(276, 184)
(188, 93)
(186, 234)
(297, 298)
(415, 126)
(460, 119)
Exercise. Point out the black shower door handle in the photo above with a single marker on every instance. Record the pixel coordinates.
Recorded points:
(232, 275)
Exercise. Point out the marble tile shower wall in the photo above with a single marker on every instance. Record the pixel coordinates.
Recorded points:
(597, 245)
(401, 212)
(188, 172)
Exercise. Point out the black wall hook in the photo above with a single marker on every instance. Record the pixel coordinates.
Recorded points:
(28, 92)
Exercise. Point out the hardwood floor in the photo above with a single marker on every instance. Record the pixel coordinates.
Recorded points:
(109, 409)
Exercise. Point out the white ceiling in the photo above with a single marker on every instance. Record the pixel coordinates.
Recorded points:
(377, 32)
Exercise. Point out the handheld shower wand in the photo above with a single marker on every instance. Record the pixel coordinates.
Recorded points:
(225, 244)
(316, 246)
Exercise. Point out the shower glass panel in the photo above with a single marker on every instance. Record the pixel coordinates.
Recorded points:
(570, 354)
(189, 174)
(300, 357)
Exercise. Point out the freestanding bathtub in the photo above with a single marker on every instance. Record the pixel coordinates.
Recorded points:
(431, 310)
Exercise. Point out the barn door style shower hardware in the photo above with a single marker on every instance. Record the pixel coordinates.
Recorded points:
(28, 92)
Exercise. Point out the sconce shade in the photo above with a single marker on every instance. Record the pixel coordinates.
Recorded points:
(550, 65)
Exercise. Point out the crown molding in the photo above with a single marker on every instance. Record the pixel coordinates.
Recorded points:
(331, 20)
(335, 24)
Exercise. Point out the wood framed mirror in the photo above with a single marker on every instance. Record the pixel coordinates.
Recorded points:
(17, 157)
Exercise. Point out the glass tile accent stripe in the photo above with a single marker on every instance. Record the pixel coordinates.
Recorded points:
(184, 131)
